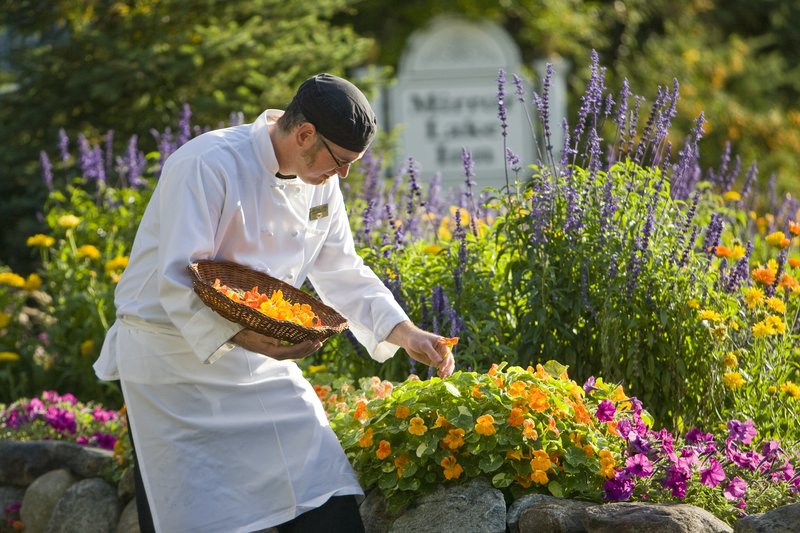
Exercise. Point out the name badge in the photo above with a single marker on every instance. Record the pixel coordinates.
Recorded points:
(317, 212)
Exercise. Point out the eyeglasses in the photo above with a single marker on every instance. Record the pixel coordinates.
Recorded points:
(339, 164)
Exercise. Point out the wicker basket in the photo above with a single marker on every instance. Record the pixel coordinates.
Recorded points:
(236, 276)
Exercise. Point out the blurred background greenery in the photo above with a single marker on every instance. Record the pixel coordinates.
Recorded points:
(90, 66)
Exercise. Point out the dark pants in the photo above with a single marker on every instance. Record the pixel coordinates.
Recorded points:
(338, 515)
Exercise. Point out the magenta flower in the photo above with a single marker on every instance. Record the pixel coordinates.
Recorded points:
(639, 465)
(735, 489)
(605, 411)
(619, 488)
(743, 432)
(696, 436)
(771, 449)
(589, 385)
(713, 475)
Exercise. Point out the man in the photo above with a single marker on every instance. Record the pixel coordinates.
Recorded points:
(229, 436)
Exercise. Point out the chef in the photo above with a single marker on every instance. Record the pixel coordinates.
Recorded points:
(228, 435)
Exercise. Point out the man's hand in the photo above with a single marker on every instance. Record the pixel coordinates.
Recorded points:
(256, 342)
(424, 347)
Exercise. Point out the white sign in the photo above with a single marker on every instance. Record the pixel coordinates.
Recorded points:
(446, 99)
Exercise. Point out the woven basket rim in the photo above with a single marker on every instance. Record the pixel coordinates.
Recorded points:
(253, 319)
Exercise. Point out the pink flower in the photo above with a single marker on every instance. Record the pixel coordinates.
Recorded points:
(735, 489)
(713, 475)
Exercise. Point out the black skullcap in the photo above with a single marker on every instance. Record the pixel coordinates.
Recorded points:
(339, 111)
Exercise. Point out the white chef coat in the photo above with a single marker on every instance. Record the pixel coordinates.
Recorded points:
(229, 440)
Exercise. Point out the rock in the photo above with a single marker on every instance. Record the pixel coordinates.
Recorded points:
(41, 498)
(22, 462)
(129, 519)
(629, 517)
(126, 488)
(89, 506)
(475, 506)
(553, 515)
(520, 505)
(375, 513)
(784, 519)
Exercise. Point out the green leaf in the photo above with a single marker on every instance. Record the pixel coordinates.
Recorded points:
(502, 480)
(452, 389)
(490, 463)
(555, 489)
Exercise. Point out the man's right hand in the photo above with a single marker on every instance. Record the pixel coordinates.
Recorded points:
(256, 342)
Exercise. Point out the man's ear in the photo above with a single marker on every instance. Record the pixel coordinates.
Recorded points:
(304, 134)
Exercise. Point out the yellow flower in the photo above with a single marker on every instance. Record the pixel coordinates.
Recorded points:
(452, 470)
(463, 215)
(40, 241)
(737, 252)
(791, 390)
(540, 461)
(485, 425)
(443, 232)
(5, 319)
(12, 280)
(313, 369)
(732, 196)
(417, 426)
(9, 356)
(776, 323)
(539, 476)
(366, 439)
(753, 297)
(772, 389)
(761, 329)
(730, 360)
(733, 380)
(707, 314)
(693, 304)
(402, 412)
(117, 263)
(778, 239)
(433, 249)
(33, 282)
(454, 439)
(68, 221)
(607, 464)
(776, 304)
(384, 450)
(87, 348)
(89, 251)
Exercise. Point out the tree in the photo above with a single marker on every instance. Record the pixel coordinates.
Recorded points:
(96, 65)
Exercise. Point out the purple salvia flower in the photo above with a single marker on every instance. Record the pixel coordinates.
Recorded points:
(469, 183)
(772, 193)
(519, 88)
(649, 128)
(735, 489)
(750, 178)
(595, 152)
(368, 220)
(99, 164)
(622, 113)
(782, 256)
(543, 107)
(502, 112)
(592, 99)
(713, 475)
(184, 125)
(63, 145)
(741, 270)
(109, 150)
(47, 170)
(513, 161)
(713, 233)
(566, 150)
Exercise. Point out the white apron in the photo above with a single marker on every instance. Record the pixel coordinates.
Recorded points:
(240, 458)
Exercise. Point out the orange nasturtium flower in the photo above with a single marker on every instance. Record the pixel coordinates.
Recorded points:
(417, 426)
(384, 450)
(400, 463)
(539, 476)
(518, 388)
(402, 412)
(794, 262)
(366, 440)
(537, 399)
(540, 461)
(515, 418)
(485, 425)
(447, 341)
(529, 429)
(360, 413)
(476, 392)
(454, 439)
(794, 227)
(607, 464)
(452, 470)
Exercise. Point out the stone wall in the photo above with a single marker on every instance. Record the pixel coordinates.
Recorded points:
(64, 489)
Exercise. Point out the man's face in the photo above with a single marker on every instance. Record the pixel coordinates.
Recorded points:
(324, 159)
